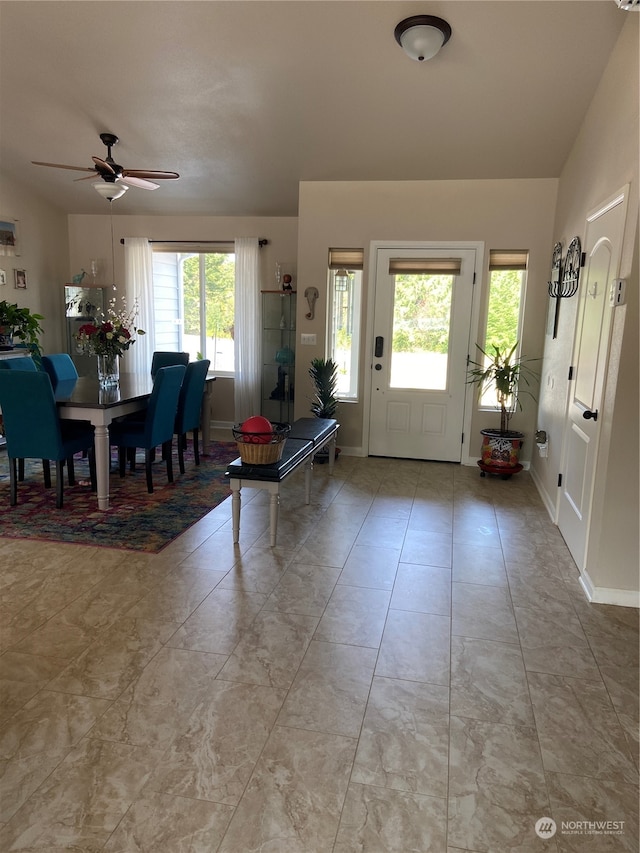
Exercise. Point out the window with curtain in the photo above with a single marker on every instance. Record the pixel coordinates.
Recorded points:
(194, 299)
(345, 298)
(505, 303)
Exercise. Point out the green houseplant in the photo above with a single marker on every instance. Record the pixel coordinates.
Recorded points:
(324, 403)
(20, 323)
(505, 372)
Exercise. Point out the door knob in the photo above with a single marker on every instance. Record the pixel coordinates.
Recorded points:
(590, 415)
(378, 367)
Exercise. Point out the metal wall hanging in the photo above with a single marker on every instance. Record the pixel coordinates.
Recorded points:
(564, 282)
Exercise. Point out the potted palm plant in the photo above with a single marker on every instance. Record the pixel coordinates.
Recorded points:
(505, 372)
(19, 323)
(324, 403)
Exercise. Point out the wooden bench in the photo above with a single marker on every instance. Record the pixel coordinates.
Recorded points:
(307, 437)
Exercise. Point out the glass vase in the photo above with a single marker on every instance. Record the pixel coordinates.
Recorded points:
(108, 370)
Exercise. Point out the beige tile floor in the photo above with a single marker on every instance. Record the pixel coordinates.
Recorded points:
(413, 668)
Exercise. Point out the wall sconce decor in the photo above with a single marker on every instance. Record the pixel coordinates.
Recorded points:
(564, 282)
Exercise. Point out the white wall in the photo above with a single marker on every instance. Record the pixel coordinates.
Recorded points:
(603, 159)
(504, 214)
(44, 252)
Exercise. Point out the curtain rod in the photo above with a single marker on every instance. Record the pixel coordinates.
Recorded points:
(261, 242)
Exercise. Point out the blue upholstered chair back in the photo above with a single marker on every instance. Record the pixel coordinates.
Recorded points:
(163, 405)
(30, 416)
(22, 363)
(167, 359)
(190, 400)
(60, 367)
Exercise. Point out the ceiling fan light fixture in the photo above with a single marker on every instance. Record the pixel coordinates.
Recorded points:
(110, 190)
(422, 36)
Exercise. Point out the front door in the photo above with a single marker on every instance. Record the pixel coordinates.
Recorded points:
(422, 317)
(603, 240)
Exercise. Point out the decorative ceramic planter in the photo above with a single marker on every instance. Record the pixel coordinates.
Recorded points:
(108, 370)
(500, 452)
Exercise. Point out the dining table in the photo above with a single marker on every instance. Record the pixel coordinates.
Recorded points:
(84, 399)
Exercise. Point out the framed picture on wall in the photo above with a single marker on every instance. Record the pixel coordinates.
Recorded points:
(3, 277)
(20, 279)
(8, 236)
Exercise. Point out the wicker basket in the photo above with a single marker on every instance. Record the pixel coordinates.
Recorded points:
(264, 452)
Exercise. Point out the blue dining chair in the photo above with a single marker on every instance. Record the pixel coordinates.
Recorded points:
(190, 408)
(34, 430)
(163, 358)
(155, 428)
(60, 367)
(18, 363)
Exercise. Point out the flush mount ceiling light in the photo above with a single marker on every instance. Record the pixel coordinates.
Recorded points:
(422, 36)
(629, 5)
(110, 190)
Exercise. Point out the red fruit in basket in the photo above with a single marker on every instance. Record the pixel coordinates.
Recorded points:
(261, 427)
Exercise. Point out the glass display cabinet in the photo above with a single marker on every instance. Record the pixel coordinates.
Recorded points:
(278, 354)
(81, 305)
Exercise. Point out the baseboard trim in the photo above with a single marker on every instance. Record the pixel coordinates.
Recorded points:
(606, 595)
(544, 495)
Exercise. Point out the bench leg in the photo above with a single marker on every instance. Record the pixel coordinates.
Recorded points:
(308, 473)
(235, 512)
(274, 503)
(332, 453)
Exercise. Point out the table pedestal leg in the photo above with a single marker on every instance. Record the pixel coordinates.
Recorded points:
(103, 464)
(235, 513)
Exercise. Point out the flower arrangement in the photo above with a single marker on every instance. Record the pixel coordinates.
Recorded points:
(112, 333)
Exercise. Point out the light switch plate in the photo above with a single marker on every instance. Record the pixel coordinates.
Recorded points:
(308, 340)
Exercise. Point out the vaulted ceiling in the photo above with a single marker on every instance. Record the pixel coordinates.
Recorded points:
(247, 99)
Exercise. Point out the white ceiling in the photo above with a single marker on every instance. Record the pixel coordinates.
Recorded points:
(246, 99)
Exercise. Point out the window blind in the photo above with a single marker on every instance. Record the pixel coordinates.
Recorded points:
(350, 259)
(514, 259)
(424, 266)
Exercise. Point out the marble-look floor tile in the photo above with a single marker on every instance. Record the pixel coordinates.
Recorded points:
(219, 622)
(382, 533)
(354, 615)
(426, 589)
(83, 800)
(426, 548)
(484, 612)
(294, 798)
(330, 691)
(303, 589)
(623, 686)
(553, 641)
(20, 777)
(157, 822)
(578, 801)
(404, 744)
(481, 564)
(115, 659)
(154, 706)
(21, 677)
(578, 728)
(379, 820)
(214, 755)
(415, 646)
(271, 649)
(258, 570)
(497, 788)
(371, 566)
(488, 682)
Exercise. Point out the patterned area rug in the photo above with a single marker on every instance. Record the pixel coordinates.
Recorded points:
(135, 521)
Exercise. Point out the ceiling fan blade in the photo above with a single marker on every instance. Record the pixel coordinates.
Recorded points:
(103, 165)
(150, 174)
(137, 182)
(87, 177)
(60, 166)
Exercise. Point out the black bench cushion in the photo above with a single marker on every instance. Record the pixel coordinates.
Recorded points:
(315, 430)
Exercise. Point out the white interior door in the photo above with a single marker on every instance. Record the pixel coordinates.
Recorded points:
(603, 241)
(422, 316)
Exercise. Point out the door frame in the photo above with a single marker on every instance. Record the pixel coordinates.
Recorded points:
(479, 247)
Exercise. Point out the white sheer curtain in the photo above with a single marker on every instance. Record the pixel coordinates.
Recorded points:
(138, 260)
(247, 329)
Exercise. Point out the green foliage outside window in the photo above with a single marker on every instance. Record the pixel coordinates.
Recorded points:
(422, 308)
(219, 283)
(504, 309)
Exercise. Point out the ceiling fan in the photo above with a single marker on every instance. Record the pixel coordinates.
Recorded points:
(112, 173)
